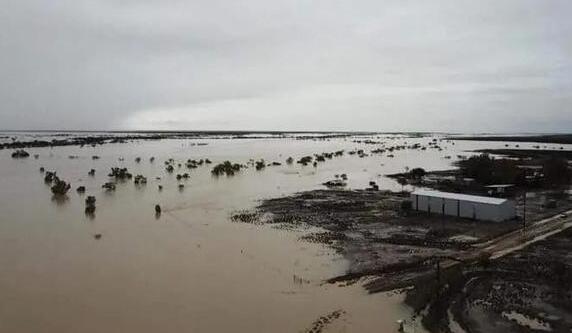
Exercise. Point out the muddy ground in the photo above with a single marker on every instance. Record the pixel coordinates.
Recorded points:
(528, 153)
(392, 247)
(371, 230)
(527, 291)
(395, 248)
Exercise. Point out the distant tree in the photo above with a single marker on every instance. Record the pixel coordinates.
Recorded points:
(506, 171)
(406, 205)
(478, 167)
(417, 173)
(556, 171)
(402, 181)
(487, 170)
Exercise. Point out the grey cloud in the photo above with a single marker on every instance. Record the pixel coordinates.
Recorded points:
(454, 65)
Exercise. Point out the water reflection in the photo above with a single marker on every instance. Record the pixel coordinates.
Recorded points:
(60, 199)
(89, 213)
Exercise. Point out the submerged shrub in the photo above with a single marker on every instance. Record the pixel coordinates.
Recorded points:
(120, 173)
(226, 168)
(260, 165)
(60, 187)
(20, 153)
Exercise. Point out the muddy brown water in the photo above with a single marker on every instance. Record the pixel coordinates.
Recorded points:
(191, 270)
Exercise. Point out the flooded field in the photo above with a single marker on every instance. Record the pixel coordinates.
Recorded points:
(191, 269)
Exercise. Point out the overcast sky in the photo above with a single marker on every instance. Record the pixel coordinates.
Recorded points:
(379, 65)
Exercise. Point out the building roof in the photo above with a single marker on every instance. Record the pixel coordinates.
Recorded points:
(459, 196)
(500, 186)
(531, 167)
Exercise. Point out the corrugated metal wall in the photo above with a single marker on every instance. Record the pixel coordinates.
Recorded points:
(465, 209)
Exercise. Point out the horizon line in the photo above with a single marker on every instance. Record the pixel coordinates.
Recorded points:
(270, 132)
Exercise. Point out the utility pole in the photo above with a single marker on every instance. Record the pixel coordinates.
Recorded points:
(524, 213)
(437, 277)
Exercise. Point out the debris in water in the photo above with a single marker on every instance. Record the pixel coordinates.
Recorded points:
(109, 186)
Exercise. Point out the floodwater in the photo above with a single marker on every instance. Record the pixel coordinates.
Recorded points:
(191, 269)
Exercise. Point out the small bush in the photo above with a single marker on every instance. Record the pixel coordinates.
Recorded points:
(406, 205)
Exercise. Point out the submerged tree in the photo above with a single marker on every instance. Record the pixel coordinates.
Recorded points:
(60, 187)
(402, 181)
(417, 173)
(226, 168)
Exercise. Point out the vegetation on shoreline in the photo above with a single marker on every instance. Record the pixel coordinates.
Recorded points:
(487, 170)
(552, 138)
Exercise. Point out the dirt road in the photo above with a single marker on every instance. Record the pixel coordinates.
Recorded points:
(518, 239)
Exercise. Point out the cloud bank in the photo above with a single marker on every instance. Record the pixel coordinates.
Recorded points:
(452, 65)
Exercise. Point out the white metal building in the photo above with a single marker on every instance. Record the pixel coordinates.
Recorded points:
(463, 205)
